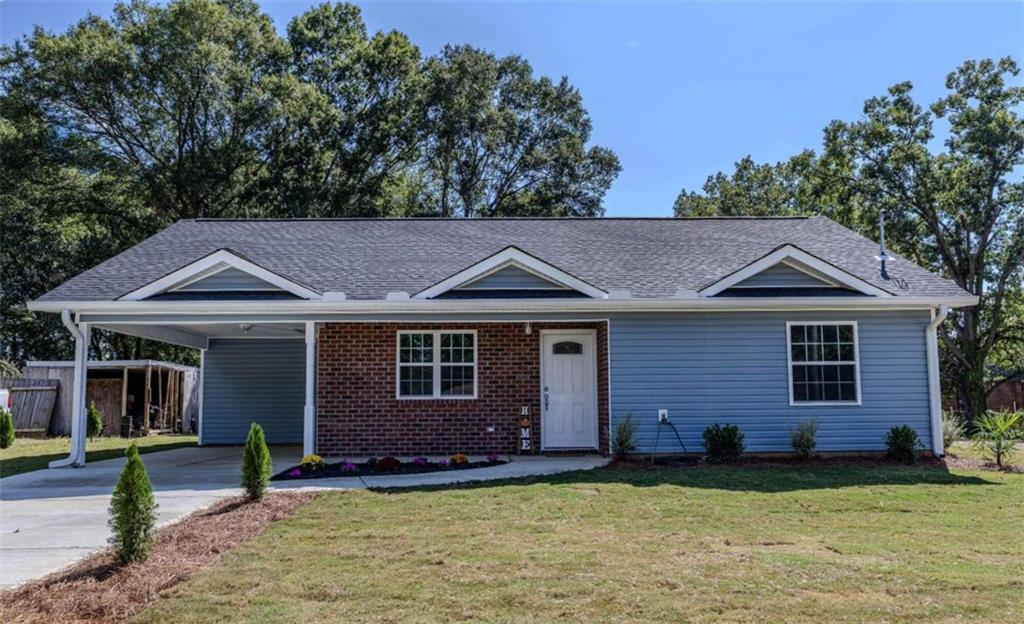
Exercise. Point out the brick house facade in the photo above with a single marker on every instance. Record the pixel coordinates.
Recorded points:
(359, 414)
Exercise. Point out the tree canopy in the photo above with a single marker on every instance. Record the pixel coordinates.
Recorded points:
(117, 127)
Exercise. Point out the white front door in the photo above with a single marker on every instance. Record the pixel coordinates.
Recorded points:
(568, 398)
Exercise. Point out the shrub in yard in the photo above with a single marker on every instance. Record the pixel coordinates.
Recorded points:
(388, 464)
(459, 458)
(902, 443)
(349, 467)
(132, 511)
(6, 428)
(255, 463)
(953, 428)
(624, 440)
(723, 443)
(312, 462)
(803, 437)
(999, 433)
(93, 421)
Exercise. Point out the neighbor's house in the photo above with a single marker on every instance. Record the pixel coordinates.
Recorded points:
(358, 337)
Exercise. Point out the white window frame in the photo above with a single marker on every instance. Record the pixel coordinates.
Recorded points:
(856, 364)
(436, 365)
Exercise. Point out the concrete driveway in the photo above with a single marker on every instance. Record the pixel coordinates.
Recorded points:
(50, 519)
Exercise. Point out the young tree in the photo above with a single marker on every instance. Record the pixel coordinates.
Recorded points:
(132, 511)
(6, 428)
(958, 211)
(256, 464)
(93, 421)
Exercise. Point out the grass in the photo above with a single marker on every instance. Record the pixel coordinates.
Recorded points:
(29, 454)
(703, 544)
(969, 450)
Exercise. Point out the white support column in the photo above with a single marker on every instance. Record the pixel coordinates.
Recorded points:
(934, 389)
(81, 333)
(309, 415)
(201, 381)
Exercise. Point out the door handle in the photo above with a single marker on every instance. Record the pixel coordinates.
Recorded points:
(545, 401)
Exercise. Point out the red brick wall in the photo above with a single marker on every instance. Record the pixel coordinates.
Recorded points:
(358, 414)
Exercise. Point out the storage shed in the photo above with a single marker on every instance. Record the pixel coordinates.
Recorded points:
(134, 396)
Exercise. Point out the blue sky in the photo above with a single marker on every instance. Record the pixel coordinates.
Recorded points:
(682, 90)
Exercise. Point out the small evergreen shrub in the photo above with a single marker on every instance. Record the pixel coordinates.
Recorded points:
(255, 463)
(999, 433)
(388, 464)
(723, 443)
(902, 444)
(93, 421)
(132, 511)
(953, 429)
(6, 428)
(803, 437)
(624, 440)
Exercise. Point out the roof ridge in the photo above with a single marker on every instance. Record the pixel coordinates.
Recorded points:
(498, 219)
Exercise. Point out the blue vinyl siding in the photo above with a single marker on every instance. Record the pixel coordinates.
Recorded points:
(229, 279)
(510, 278)
(781, 275)
(253, 380)
(732, 368)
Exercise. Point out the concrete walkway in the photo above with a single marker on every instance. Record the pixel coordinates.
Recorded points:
(51, 518)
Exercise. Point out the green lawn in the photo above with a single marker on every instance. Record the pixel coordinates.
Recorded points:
(29, 454)
(698, 544)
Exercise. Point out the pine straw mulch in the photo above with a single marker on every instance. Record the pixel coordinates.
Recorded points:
(97, 589)
(838, 461)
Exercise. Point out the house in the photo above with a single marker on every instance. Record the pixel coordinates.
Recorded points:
(425, 336)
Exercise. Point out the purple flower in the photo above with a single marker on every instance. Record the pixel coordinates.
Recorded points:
(420, 461)
(348, 467)
(492, 457)
(295, 472)
(443, 463)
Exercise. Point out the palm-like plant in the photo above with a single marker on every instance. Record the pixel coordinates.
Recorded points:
(999, 433)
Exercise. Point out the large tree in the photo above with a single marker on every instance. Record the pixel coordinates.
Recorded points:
(958, 210)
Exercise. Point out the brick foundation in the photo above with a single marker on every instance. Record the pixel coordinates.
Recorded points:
(358, 414)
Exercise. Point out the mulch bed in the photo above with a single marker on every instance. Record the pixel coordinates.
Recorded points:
(372, 469)
(97, 589)
(843, 461)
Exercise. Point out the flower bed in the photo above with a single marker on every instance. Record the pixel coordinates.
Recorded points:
(312, 467)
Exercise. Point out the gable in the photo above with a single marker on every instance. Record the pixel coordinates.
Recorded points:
(511, 278)
(226, 279)
(784, 275)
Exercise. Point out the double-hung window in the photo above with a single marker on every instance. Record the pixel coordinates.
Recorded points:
(436, 365)
(823, 363)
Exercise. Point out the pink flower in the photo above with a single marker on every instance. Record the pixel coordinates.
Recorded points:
(443, 463)
(348, 467)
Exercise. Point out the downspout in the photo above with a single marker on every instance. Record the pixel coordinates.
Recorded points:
(934, 390)
(76, 457)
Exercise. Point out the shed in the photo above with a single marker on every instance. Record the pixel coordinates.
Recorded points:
(134, 396)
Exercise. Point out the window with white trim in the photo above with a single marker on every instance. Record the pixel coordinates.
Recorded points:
(823, 366)
(438, 365)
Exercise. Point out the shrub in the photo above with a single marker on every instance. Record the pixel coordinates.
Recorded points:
(6, 428)
(388, 464)
(492, 457)
(349, 467)
(93, 421)
(999, 433)
(459, 458)
(312, 462)
(723, 443)
(803, 437)
(953, 429)
(132, 511)
(420, 461)
(902, 443)
(624, 440)
(255, 463)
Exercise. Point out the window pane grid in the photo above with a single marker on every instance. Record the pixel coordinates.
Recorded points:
(823, 363)
(437, 364)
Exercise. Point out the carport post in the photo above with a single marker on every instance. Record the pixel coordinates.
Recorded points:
(309, 413)
(81, 332)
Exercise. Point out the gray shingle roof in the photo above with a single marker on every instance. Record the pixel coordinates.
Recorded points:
(366, 258)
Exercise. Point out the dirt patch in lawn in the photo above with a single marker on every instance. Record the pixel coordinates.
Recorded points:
(97, 589)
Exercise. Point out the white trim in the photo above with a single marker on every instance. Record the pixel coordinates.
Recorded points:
(76, 456)
(511, 257)
(934, 385)
(592, 333)
(309, 408)
(202, 382)
(211, 273)
(436, 365)
(211, 264)
(449, 306)
(856, 363)
(826, 282)
(793, 254)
